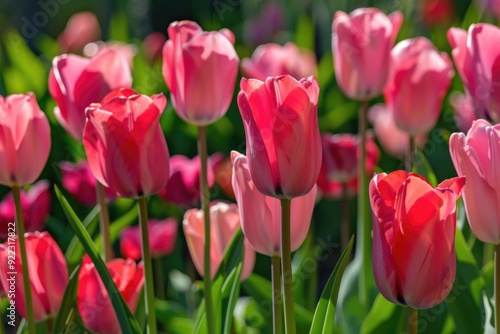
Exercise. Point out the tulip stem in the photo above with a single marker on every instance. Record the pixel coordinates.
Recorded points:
(412, 152)
(205, 204)
(16, 192)
(148, 267)
(277, 301)
(497, 288)
(107, 252)
(344, 224)
(286, 266)
(412, 315)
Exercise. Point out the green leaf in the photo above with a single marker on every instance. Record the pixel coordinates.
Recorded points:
(422, 167)
(304, 264)
(384, 317)
(75, 251)
(324, 316)
(127, 321)
(173, 317)
(68, 303)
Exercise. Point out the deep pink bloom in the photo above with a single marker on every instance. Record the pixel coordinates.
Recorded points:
(76, 82)
(437, 12)
(418, 81)
(464, 111)
(162, 236)
(478, 62)
(124, 142)
(414, 237)
(153, 46)
(224, 222)
(263, 27)
(24, 140)
(361, 44)
(271, 60)
(282, 134)
(47, 272)
(200, 69)
(261, 214)
(476, 156)
(93, 301)
(35, 204)
(81, 29)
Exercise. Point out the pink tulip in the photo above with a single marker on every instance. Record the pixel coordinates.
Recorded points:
(262, 28)
(76, 82)
(93, 301)
(127, 51)
(224, 175)
(81, 29)
(162, 236)
(47, 272)
(361, 44)
(419, 79)
(125, 146)
(153, 46)
(270, 60)
(413, 237)
(261, 214)
(475, 56)
(224, 222)
(282, 134)
(183, 187)
(437, 12)
(24, 140)
(475, 156)
(35, 204)
(490, 6)
(464, 111)
(200, 70)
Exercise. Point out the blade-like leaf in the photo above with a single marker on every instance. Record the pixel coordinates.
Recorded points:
(68, 302)
(75, 251)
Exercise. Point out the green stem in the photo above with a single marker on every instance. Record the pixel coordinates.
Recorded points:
(488, 253)
(50, 324)
(410, 160)
(412, 316)
(277, 301)
(205, 205)
(2, 327)
(344, 224)
(148, 270)
(107, 252)
(16, 192)
(497, 288)
(286, 266)
(159, 277)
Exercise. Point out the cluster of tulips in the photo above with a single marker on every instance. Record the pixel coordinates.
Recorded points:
(287, 166)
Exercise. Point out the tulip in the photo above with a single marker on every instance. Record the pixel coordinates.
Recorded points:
(93, 301)
(269, 21)
(153, 46)
(261, 214)
(24, 140)
(76, 82)
(475, 56)
(361, 45)
(162, 236)
(127, 51)
(490, 6)
(413, 237)
(35, 204)
(223, 176)
(125, 146)
(48, 274)
(282, 134)
(200, 70)
(183, 187)
(418, 81)
(270, 60)
(464, 111)
(81, 29)
(225, 221)
(475, 156)
(437, 12)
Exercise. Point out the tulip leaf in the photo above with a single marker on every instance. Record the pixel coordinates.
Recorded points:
(173, 317)
(422, 167)
(473, 15)
(125, 318)
(68, 303)
(384, 317)
(324, 316)
(75, 251)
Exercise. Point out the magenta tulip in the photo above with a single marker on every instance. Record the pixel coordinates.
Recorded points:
(76, 82)
(476, 156)
(361, 44)
(24, 140)
(48, 274)
(282, 134)
(125, 146)
(200, 70)
(413, 237)
(464, 111)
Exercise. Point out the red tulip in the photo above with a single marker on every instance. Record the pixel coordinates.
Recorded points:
(270, 60)
(282, 134)
(93, 300)
(162, 236)
(437, 12)
(24, 140)
(47, 272)
(476, 156)
(35, 204)
(125, 146)
(475, 55)
(413, 237)
(261, 214)
(225, 221)
(419, 79)
(82, 28)
(361, 43)
(200, 70)
(464, 111)
(76, 82)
